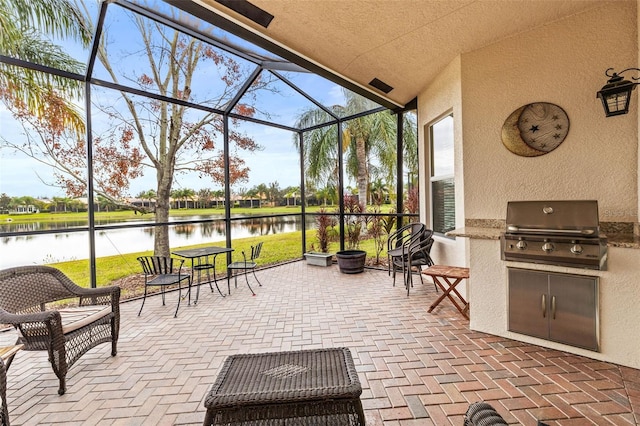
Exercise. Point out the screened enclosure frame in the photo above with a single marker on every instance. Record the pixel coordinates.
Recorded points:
(262, 65)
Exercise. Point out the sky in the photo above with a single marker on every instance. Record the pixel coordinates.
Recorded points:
(278, 161)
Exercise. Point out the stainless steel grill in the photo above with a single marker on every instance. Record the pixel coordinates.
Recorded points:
(564, 233)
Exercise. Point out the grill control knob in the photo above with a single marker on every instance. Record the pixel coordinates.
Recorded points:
(548, 247)
(576, 249)
(521, 245)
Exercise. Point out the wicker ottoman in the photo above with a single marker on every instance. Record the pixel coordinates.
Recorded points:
(310, 387)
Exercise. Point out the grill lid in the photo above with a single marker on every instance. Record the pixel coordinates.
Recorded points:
(575, 217)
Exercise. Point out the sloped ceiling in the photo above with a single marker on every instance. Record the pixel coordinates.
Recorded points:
(403, 43)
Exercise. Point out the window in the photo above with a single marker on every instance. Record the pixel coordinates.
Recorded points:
(443, 204)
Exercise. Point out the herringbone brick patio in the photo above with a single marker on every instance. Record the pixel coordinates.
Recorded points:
(416, 368)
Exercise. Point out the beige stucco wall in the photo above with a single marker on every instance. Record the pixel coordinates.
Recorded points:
(442, 97)
(562, 62)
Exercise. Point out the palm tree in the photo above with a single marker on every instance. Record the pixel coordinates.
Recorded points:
(274, 192)
(252, 193)
(188, 195)
(104, 203)
(22, 24)
(325, 194)
(185, 194)
(262, 191)
(146, 195)
(364, 139)
(204, 197)
(292, 192)
(218, 195)
(379, 191)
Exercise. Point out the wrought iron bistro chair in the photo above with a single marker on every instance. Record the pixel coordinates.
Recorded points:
(399, 239)
(246, 266)
(160, 271)
(27, 301)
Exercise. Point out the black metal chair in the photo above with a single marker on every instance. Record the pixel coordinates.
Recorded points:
(415, 255)
(160, 271)
(397, 241)
(246, 266)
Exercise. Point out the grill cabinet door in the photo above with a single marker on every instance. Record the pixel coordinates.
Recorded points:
(574, 310)
(553, 306)
(528, 302)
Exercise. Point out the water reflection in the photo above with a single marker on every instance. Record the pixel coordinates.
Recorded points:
(64, 224)
(51, 248)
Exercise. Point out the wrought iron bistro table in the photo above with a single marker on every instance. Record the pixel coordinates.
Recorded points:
(441, 273)
(308, 387)
(200, 262)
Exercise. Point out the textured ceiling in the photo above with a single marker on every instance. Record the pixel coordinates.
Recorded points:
(404, 43)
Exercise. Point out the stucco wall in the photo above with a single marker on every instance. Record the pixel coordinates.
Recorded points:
(563, 63)
(443, 96)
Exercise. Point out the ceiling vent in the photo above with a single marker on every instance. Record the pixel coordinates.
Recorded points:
(249, 11)
(380, 85)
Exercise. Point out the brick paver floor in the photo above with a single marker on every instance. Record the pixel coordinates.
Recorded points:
(416, 368)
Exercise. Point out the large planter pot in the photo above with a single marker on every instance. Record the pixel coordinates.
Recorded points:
(351, 261)
(318, 258)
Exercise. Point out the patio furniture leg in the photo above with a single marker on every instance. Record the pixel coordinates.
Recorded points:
(215, 280)
(254, 276)
(235, 280)
(179, 297)
(209, 280)
(246, 271)
(144, 298)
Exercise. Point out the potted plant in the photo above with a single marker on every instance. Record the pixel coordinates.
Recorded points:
(352, 260)
(321, 258)
(318, 258)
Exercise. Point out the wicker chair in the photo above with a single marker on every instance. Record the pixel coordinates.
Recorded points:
(26, 296)
(4, 413)
(483, 414)
(6, 357)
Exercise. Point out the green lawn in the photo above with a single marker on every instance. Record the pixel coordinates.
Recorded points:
(276, 249)
(109, 269)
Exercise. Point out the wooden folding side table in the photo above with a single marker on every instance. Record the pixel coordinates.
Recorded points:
(442, 276)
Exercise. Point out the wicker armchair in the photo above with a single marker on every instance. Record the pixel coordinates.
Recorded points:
(4, 411)
(26, 293)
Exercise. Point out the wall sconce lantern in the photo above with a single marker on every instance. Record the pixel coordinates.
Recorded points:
(616, 94)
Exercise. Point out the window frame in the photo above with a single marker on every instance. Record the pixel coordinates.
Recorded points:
(448, 214)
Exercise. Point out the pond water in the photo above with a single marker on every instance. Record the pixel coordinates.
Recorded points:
(51, 248)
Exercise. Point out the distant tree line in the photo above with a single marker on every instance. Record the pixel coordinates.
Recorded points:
(261, 195)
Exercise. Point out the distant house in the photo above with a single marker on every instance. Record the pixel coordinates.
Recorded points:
(139, 202)
(25, 209)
